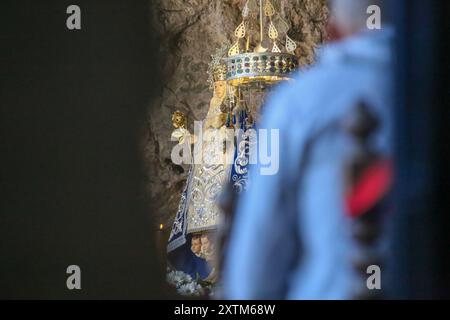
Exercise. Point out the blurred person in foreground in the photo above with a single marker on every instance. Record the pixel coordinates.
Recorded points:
(291, 236)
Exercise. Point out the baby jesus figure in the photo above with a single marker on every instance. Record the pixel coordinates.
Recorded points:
(196, 245)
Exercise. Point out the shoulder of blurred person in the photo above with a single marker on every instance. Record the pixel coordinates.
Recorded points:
(347, 72)
(342, 60)
(357, 68)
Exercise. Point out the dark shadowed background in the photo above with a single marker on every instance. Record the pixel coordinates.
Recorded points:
(72, 107)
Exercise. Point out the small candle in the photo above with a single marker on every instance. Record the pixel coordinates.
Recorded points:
(161, 243)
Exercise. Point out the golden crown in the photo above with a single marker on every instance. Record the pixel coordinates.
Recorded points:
(250, 61)
(179, 120)
(217, 68)
(220, 72)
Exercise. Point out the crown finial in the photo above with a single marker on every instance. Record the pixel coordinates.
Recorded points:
(217, 69)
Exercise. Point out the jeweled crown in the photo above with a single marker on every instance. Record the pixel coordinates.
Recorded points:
(249, 61)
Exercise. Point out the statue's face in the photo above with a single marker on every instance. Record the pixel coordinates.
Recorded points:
(220, 89)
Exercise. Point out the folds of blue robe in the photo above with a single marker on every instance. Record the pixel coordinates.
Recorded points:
(179, 253)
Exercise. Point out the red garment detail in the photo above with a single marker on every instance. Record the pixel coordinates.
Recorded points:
(371, 187)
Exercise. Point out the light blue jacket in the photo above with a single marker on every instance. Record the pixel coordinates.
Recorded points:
(291, 237)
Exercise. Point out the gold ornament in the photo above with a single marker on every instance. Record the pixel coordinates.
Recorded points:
(240, 31)
(290, 45)
(179, 120)
(269, 10)
(234, 50)
(275, 48)
(273, 32)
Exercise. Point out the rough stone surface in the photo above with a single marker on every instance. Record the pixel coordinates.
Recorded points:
(189, 32)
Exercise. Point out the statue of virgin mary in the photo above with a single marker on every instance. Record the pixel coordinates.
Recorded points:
(191, 242)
